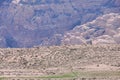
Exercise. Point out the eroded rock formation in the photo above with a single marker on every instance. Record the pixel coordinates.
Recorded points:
(102, 30)
(28, 23)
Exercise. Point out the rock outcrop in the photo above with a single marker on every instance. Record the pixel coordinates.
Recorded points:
(102, 30)
(28, 23)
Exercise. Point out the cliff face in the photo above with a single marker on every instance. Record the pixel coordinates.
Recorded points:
(27, 23)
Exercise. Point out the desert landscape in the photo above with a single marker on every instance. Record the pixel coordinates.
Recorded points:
(59, 39)
(65, 62)
(28, 23)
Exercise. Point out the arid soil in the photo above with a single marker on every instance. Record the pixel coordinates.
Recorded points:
(56, 60)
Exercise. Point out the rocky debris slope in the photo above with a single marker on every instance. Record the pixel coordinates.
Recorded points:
(103, 30)
(64, 56)
(27, 23)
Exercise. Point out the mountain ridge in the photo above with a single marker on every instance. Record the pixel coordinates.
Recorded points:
(26, 23)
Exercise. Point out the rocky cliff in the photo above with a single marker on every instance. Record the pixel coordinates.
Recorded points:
(27, 23)
(102, 30)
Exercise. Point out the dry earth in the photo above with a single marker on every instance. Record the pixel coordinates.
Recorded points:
(58, 60)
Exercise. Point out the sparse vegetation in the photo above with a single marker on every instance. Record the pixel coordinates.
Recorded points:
(78, 61)
(68, 75)
(72, 75)
(1, 78)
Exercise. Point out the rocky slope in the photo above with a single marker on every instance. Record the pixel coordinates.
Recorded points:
(59, 56)
(101, 62)
(102, 30)
(27, 23)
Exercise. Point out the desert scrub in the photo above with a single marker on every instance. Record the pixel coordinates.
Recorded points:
(1, 78)
(101, 74)
(67, 75)
(87, 74)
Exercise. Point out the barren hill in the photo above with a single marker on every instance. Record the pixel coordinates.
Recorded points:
(81, 61)
(56, 56)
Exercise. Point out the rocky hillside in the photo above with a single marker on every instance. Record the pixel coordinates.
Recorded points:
(27, 23)
(59, 56)
(103, 30)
